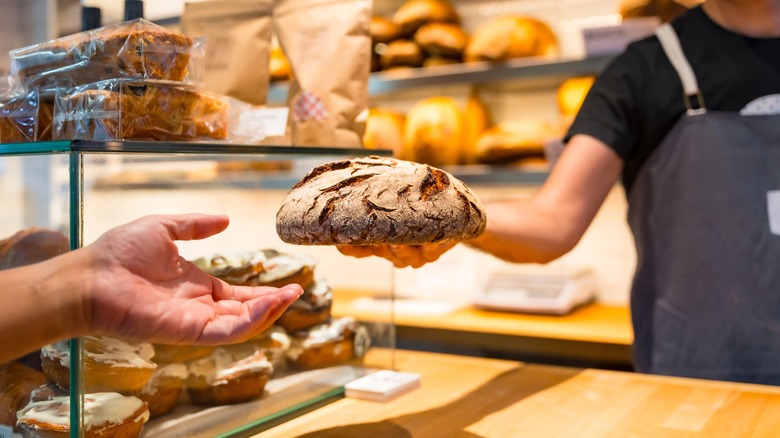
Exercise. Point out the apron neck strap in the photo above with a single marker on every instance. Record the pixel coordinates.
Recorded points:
(694, 101)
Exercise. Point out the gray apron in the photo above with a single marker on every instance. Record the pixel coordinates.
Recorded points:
(706, 294)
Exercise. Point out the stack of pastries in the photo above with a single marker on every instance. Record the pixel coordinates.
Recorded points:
(127, 383)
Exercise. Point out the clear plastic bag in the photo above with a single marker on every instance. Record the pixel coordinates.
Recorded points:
(135, 49)
(123, 109)
(24, 117)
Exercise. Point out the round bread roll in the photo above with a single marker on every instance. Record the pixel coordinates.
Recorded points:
(435, 61)
(279, 65)
(384, 130)
(509, 141)
(445, 40)
(106, 414)
(433, 133)
(401, 53)
(31, 246)
(312, 308)
(383, 30)
(17, 382)
(477, 119)
(376, 200)
(508, 37)
(572, 92)
(415, 13)
(161, 392)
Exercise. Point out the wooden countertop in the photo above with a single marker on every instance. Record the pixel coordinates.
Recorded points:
(467, 396)
(590, 335)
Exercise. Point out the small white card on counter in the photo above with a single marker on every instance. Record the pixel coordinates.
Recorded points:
(272, 122)
(382, 386)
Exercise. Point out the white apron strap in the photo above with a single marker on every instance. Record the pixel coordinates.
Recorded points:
(671, 45)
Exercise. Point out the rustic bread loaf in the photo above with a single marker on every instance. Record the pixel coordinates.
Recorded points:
(375, 200)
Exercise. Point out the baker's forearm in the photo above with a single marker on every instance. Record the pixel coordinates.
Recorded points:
(42, 303)
(520, 232)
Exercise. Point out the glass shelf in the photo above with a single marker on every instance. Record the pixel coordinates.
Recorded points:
(179, 147)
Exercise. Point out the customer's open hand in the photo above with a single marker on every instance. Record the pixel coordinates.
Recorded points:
(143, 289)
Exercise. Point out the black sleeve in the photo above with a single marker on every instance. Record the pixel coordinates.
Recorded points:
(612, 107)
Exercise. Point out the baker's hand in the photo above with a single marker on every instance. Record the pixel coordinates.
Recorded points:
(401, 255)
(143, 289)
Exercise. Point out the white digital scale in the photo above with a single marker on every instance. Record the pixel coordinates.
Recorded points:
(537, 290)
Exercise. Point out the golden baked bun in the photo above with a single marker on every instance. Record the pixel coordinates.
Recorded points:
(445, 40)
(32, 245)
(477, 119)
(433, 132)
(571, 93)
(231, 374)
(17, 382)
(161, 392)
(383, 30)
(415, 13)
(401, 53)
(509, 37)
(384, 130)
(666, 10)
(106, 414)
(279, 65)
(110, 364)
(265, 267)
(435, 61)
(312, 308)
(515, 140)
(334, 343)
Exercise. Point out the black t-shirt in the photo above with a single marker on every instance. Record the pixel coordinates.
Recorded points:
(638, 98)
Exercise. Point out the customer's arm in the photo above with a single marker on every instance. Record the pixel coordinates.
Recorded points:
(538, 229)
(132, 283)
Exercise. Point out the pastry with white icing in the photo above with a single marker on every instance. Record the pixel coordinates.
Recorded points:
(312, 308)
(335, 343)
(231, 374)
(106, 414)
(161, 392)
(110, 364)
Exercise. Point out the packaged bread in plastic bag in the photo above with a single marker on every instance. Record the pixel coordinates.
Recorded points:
(123, 109)
(238, 45)
(24, 116)
(135, 49)
(328, 45)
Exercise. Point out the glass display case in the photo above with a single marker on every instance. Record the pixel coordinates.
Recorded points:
(78, 190)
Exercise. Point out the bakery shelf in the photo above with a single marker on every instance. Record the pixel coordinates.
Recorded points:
(471, 73)
(177, 147)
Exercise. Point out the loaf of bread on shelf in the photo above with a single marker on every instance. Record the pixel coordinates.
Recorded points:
(477, 118)
(509, 36)
(106, 414)
(375, 200)
(401, 53)
(415, 13)
(17, 382)
(32, 245)
(140, 110)
(433, 133)
(133, 49)
(383, 30)
(384, 130)
(444, 40)
(514, 140)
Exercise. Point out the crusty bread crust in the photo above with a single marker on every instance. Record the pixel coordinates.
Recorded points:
(375, 200)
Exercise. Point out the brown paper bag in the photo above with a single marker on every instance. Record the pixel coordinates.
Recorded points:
(329, 48)
(238, 46)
